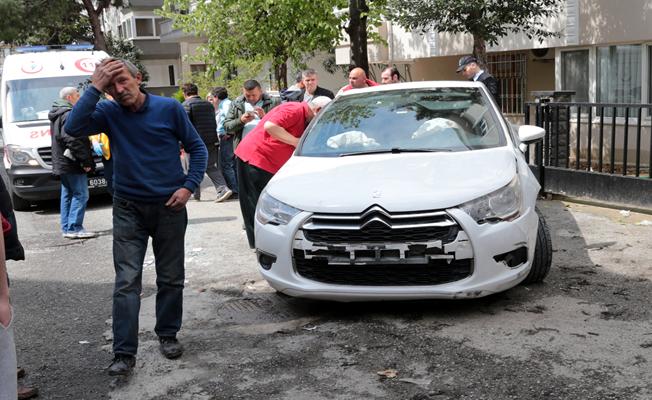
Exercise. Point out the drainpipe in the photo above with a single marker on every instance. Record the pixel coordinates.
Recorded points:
(390, 44)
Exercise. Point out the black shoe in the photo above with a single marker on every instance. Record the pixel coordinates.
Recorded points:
(122, 364)
(170, 347)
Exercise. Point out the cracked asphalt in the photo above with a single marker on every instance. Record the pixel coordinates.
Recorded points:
(583, 334)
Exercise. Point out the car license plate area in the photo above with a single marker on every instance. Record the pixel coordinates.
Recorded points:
(96, 182)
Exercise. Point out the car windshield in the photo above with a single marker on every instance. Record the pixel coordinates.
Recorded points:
(31, 99)
(405, 120)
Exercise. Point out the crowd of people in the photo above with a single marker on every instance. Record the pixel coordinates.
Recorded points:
(139, 136)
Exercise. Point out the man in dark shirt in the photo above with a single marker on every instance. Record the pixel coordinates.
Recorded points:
(469, 68)
(202, 116)
(151, 192)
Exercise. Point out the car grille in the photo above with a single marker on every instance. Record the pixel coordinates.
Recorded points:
(377, 247)
(46, 155)
(435, 272)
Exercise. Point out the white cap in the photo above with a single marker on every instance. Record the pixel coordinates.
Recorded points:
(319, 102)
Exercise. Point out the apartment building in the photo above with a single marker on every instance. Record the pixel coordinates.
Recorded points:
(138, 23)
(603, 53)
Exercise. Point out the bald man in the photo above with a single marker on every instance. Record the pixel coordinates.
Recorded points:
(357, 80)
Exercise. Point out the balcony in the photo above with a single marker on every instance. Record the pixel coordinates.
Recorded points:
(141, 4)
(171, 35)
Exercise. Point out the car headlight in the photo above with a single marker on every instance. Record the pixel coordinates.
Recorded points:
(21, 155)
(503, 204)
(274, 212)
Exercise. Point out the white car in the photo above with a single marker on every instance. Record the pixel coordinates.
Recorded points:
(405, 191)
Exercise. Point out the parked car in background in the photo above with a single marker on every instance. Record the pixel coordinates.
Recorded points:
(406, 191)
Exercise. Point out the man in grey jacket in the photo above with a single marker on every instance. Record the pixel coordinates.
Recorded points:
(247, 109)
(72, 159)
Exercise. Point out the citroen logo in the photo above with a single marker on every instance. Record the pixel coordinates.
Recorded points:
(375, 221)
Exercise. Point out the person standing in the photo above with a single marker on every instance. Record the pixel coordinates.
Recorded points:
(357, 80)
(390, 75)
(12, 249)
(222, 105)
(247, 110)
(312, 89)
(263, 152)
(8, 381)
(150, 196)
(72, 159)
(202, 116)
(470, 69)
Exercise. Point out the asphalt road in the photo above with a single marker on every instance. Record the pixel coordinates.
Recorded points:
(583, 334)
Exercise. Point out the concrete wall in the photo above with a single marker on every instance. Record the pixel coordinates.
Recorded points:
(609, 21)
(158, 72)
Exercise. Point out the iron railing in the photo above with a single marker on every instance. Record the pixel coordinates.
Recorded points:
(594, 137)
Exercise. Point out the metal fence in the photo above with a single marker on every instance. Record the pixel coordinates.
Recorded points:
(588, 146)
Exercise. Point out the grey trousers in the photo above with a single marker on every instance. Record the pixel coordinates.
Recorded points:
(7, 362)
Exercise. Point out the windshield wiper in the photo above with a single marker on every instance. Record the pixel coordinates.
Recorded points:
(394, 150)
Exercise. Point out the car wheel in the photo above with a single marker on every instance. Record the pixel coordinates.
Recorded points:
(542, 253)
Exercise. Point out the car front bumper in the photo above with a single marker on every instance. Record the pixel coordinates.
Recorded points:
(487, 242)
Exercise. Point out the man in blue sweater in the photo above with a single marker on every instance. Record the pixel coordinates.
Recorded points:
(151, 192)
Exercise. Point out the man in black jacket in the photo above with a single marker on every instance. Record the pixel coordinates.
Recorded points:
(202, 116)
(310, 88)
(469, 68)
(72, 159)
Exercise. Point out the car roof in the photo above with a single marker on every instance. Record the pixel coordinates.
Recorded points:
(415, 85)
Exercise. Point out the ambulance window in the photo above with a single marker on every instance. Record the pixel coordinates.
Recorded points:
(32, 99)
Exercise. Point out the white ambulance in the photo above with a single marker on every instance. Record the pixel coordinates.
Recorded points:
(31, 80)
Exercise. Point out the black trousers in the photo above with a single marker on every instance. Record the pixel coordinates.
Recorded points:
(251, 182)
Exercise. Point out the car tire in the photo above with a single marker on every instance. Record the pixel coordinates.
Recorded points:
(542, 253)
(19, 203)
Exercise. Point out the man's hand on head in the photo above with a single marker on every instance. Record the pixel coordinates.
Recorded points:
(178, 199)
(105, 72)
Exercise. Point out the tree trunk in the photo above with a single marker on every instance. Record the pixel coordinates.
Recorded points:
(480, 51)
(281, 75)
(94, 16)
(357, 31)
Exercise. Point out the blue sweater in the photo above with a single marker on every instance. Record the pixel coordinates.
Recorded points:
(144, 144)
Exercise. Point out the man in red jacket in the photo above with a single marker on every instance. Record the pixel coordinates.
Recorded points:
(266, 148)
(357, 80)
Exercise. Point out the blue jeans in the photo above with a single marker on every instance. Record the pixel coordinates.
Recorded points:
(133, 224)
(74, 196)
(227, 162)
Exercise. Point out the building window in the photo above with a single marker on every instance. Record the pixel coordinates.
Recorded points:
(144, 27)
(575, 73)
(171, 74)
(157, 26)
(510, 70)
(619, 74)
(126, 29)
(197, 68)
(649, 74)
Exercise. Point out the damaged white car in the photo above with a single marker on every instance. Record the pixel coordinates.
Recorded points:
(405, 191)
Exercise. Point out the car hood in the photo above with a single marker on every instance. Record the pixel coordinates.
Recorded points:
(396, 182)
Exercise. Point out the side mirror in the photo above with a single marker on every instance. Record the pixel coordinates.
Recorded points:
(529, 134)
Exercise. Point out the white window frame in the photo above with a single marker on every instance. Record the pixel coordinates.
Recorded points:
(152, 21)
